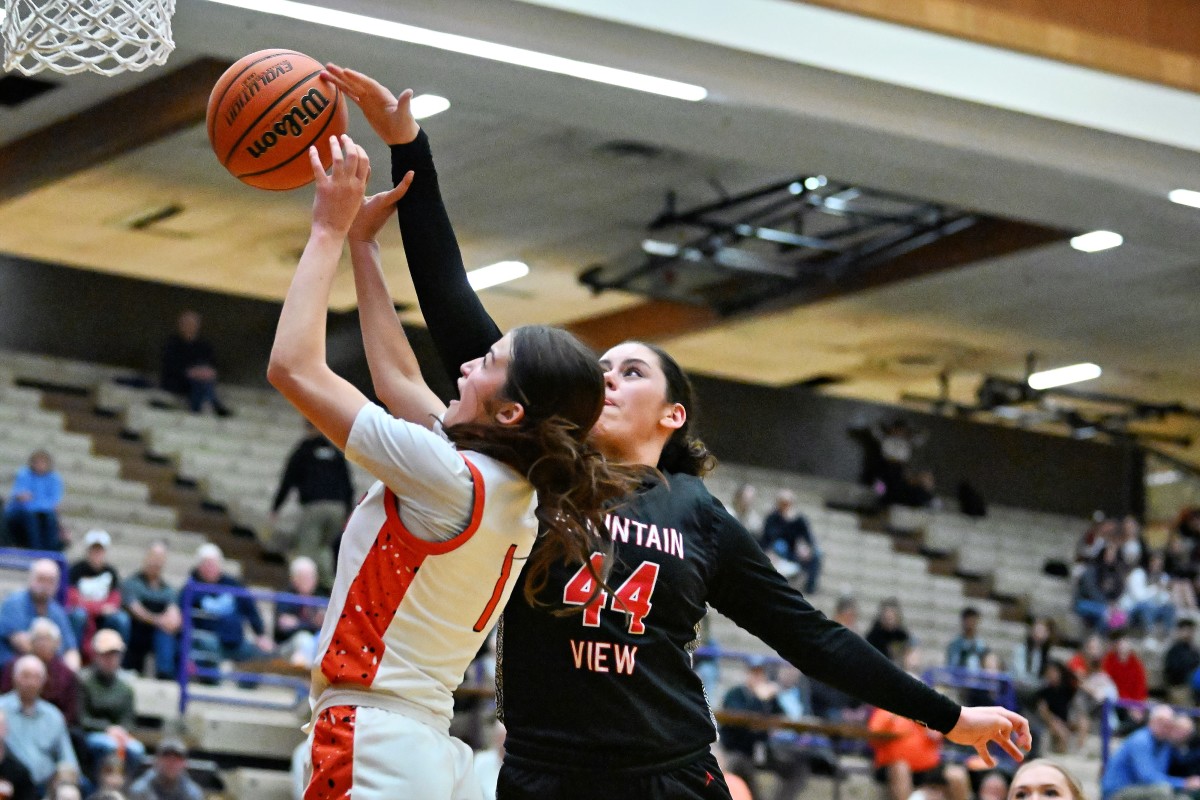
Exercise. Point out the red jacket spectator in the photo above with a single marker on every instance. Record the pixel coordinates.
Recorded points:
(1126, 670)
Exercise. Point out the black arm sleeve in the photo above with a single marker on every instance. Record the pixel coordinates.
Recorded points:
(457, 321)
(748, 590)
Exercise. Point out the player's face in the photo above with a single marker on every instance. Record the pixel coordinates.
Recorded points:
(480, 385)
(635, 400)
(1039, 782)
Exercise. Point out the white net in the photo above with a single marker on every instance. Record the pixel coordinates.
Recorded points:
(70, 36)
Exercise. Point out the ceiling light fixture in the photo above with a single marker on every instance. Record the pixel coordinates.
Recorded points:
(373, 26)
(1185, 197)
(493, 274)
(1050, 378)
(424, 106)
(1096, 241)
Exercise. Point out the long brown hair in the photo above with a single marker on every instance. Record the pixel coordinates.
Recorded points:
(560, 385)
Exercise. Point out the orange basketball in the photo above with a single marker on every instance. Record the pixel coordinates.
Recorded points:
(264, 113)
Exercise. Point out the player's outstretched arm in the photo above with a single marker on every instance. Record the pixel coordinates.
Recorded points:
(395, 373)
(298, 367)
(460, 326)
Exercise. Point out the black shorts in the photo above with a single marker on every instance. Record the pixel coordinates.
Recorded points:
(698, 780)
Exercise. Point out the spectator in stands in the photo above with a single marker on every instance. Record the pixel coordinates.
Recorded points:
(94, 590)
(1181, 567)
(914, 756)
(153, 607)
(61, 689)
(15, 781)
(189, 366)
(297, 625)
(967, 649)
(1098, 588)
(888, 634)
(1134, 549)
(318, 472)
(1030, 657)
(1095, 685)
(31, 516)
(1180, 662)
(1138, 770)
(1064, 719)
(1147, 600)
(168, 779)
(897, 444)
(110, 778)
(789, 542)
(220, 618)
(106, 703)
(37, 731)
(747, 747)
(22, 607)
(1125, 668)
(742, 507)
(834, 704)
(1042, 778)
(993, 785)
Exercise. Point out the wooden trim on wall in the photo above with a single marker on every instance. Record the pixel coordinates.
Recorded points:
(1155, 41)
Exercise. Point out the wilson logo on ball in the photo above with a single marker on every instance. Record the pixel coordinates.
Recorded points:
(292, 123)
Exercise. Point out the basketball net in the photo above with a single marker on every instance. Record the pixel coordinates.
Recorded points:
(102, 36)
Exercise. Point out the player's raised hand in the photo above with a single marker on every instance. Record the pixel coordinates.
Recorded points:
(388, 114)
(979, 726)
(340, 192)
(377, 210)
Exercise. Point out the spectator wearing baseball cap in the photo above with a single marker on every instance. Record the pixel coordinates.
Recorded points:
(94, 590)
(106, 703)
(168, 779)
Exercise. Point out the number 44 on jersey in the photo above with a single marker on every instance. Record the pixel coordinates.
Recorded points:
(631, 598)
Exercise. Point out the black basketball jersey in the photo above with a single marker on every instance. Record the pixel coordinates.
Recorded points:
(612, 686)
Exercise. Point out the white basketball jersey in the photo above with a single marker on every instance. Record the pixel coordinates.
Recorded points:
(407, 616)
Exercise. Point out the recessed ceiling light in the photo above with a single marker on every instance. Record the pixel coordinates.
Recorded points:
(1076, 373)
(424, 106)
(373, 26)
(1185, 197)
(1096, 241)
(493, 274)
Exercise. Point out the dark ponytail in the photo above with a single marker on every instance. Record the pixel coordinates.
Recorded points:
(560, 385)
(684, 453)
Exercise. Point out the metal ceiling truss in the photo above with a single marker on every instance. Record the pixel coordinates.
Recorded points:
(775, 245)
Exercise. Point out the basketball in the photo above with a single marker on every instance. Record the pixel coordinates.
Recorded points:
(265, 112)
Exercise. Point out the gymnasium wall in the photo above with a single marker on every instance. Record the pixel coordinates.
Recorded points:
(802, 431)
(91, 316)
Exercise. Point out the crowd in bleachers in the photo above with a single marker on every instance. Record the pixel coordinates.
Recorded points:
(123, 576)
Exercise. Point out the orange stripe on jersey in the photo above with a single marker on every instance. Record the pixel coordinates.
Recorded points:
(425, 547)
(332, 755)
(356, 647)
(505, 570)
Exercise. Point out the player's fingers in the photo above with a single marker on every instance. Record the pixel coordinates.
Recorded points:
(1011, 749)
(335, 151)
(339, 83)
(364, 163)
(982, 749)
(399, 190)
(314, 158)
(1021, 729)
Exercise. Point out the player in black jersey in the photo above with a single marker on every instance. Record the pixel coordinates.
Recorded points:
(605, 703)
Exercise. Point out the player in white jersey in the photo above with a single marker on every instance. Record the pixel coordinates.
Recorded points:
(431, 553)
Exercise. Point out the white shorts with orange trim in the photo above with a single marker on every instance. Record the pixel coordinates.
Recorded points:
(361, 753)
